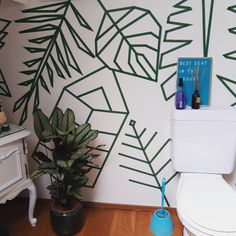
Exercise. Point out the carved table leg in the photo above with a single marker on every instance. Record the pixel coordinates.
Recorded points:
(32, 200)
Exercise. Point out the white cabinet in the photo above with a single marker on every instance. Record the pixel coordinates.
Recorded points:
(14, 174)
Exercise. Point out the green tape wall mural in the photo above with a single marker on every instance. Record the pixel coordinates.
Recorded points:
(52, 53)
(3, 26)
(176, 44)
(97, 99)
(112, 51)
(120, 36)
(229, 84)
(169, 36)
(149, 161)
(206, 23)
(4, 90)
(232, 54)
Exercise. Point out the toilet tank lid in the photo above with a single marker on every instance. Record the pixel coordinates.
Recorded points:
(205, 113)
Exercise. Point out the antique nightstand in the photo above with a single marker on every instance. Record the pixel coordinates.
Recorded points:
(14, 174)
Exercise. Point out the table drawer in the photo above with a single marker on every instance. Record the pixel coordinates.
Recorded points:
(10, 167)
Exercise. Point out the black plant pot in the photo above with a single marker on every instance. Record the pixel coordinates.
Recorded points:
(67, 223)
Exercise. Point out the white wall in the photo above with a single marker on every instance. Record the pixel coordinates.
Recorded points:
(126, 52)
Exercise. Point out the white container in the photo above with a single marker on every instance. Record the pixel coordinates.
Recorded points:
(204, 140)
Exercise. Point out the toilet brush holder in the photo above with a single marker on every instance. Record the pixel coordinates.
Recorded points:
(161, 223)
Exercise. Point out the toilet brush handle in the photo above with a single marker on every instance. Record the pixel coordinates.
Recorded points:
(163, 193)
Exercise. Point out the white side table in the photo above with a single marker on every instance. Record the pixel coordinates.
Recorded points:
(14, 174)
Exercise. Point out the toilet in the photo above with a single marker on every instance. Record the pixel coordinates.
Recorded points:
(203, 150)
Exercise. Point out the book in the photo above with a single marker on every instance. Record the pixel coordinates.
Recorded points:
(195, 71)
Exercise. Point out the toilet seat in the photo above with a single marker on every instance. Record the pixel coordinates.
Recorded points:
(197, 192)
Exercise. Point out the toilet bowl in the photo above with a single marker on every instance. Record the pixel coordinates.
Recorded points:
(206, 205)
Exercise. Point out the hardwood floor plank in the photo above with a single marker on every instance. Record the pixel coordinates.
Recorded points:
(178, 228)
(143, 220)
(100, 221)
(123, 223)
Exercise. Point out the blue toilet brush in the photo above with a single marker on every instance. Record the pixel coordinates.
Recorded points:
(163, 213)
(161, 223)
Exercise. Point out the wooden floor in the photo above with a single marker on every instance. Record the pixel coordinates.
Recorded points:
(100, 220)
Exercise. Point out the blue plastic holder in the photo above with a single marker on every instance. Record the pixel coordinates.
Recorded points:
(161, 223)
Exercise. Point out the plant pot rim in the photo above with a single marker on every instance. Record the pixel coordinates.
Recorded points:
(76, 204)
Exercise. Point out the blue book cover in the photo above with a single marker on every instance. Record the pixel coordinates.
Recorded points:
(196, 73)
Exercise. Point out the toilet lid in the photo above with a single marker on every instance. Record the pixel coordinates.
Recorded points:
(207, 201)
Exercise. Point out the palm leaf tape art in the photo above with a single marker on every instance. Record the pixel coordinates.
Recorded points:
(145, 159)
(123, 43)
(53, 54)
(229, 84)
(4, 90)
(170, 38)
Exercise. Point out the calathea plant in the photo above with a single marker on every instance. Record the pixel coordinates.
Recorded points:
(71, 157)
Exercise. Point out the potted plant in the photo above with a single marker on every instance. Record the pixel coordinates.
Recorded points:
(71, 161)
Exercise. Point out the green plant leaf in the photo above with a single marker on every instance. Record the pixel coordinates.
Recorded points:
(81, 182)
(68, 121)
(56, 118)
(60, 176)
(37, 173)
(48, 135)
(92, 134)
(41, 123)
(81, 132)
(48, 167)
(76, 193)
(65, 164)
(60, 132)
(81, 156)
(54, 189)
(70, 138)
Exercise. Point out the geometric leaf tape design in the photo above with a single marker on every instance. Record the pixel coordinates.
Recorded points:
(128, 41)
(97, 99)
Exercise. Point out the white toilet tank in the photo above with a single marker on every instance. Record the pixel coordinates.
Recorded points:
(204, 140)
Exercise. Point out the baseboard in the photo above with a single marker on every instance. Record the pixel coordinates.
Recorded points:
(108, 205)
(123, 206)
